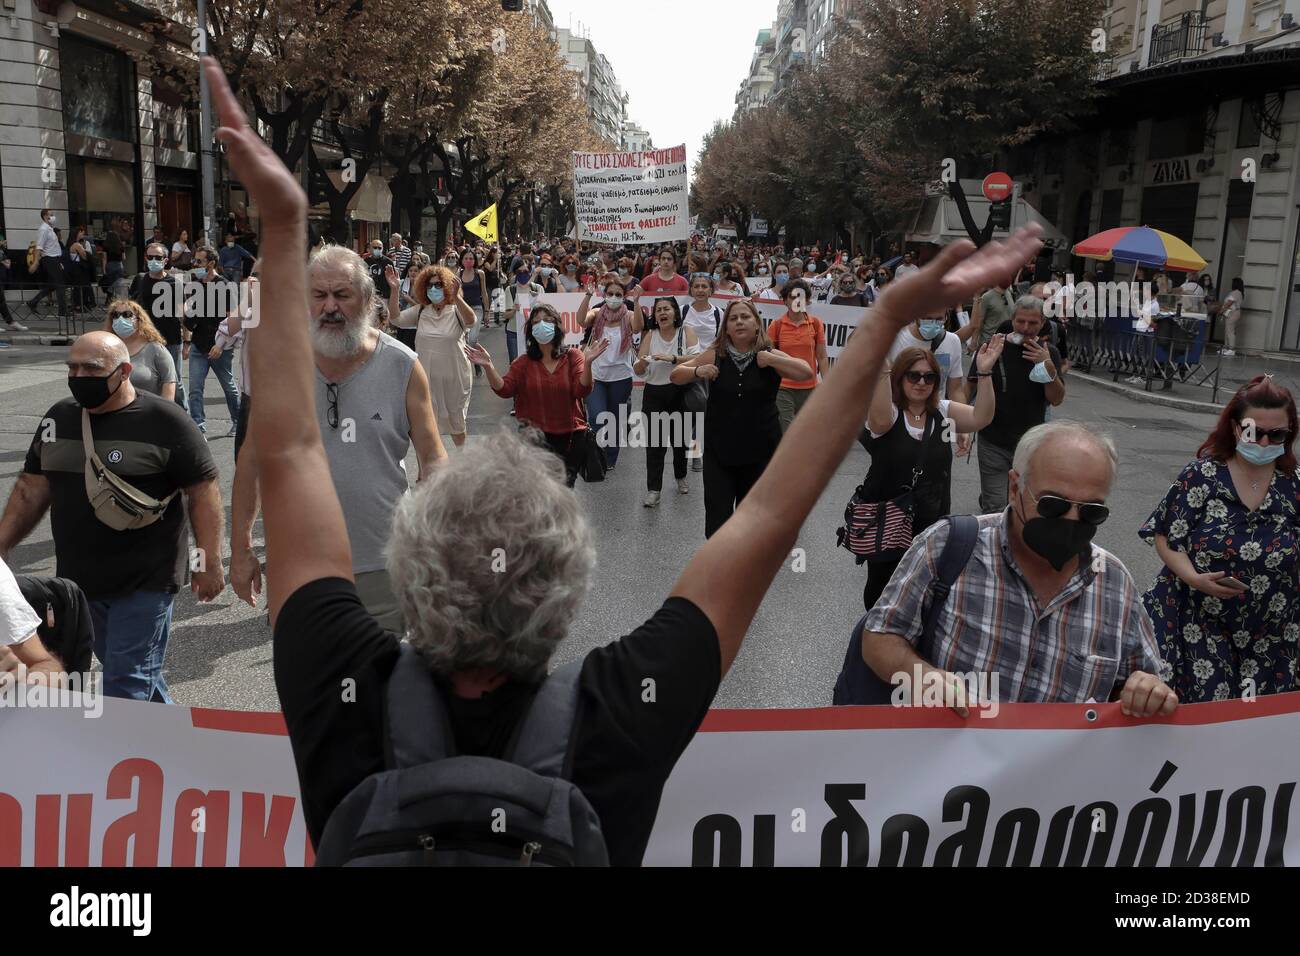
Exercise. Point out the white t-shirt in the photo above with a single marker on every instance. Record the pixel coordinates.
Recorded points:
(17, 619)
(904, 269)
(704, 324)
(658, 372)
(948, 355)
(611, 365)
(912, 429)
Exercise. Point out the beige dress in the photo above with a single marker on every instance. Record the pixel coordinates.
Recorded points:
(440, 344)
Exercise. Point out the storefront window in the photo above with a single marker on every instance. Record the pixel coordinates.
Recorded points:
(97, 83)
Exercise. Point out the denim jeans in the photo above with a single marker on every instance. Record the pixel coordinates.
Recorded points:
(608, 397)
(130, 641)
(224, 367)
(175, 352)
(512, 345)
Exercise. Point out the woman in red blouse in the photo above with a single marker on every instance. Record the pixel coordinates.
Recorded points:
(548, 383)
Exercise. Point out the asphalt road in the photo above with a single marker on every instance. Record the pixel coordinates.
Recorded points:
(220, 653)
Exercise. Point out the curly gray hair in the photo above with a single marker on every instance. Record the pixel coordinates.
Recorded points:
(490, 557)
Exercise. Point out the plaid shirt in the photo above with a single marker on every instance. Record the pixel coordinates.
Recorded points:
(1088, 639)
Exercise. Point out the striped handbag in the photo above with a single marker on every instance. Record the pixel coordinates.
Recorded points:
(882, 530)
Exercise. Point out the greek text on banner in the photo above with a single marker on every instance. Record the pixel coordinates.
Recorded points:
(632, 198)
(1039, 784)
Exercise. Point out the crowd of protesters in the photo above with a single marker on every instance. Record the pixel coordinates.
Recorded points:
(387, 358)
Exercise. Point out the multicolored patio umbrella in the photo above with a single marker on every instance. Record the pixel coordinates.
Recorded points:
(1142, 246)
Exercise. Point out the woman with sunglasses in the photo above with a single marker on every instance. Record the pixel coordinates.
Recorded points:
(152, 368)
(905, 411)
(442, 318)
(1226, 606)
(548, 383)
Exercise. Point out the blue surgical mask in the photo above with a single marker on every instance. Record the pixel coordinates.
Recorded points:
(1260, 454)
(199, 273)
(156, 265)
(1040, 374)
(717, 277)
(544, 332)
(780, 278)
(436, 295)
(931, 328)
(1015, 338)
(123, 328)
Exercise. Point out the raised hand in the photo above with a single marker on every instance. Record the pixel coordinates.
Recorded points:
(957, 273)
(989, 353)
(276, 191)
(390, 275)
(478, 355)
(595, 349)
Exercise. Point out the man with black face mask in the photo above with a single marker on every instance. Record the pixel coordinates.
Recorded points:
(130, 577)
(1045, 614)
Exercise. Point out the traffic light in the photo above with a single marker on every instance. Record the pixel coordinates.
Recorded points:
(512, 6)
(1000, 215)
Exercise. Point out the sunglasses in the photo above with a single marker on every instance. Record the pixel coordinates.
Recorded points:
(921, 378)
(332, 413)
(155, 258)
(1275, 436)
(1054, 506)
(123, 315)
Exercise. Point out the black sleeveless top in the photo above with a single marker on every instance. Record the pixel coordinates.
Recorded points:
(893, 455)
(741, 422)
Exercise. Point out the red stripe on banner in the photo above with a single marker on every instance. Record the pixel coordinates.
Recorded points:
(1009, 717)
(240, 721)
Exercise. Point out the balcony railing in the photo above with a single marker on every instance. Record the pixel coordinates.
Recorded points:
(1176, 38)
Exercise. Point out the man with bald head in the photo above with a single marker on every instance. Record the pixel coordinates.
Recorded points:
(1040, 608)
(129, 577)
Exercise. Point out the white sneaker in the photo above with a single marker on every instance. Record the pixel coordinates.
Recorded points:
(682, 487)
(652, 500)
(17, 327)
(1228, 352)
(234, 427)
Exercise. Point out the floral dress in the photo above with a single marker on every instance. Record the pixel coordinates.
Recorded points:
(1214, 648)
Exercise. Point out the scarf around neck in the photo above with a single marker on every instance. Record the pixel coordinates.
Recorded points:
(619, 315)
(741, 359)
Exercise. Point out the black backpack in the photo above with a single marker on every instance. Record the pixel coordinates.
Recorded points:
(431, 807)
(858, 683)
(66, 628)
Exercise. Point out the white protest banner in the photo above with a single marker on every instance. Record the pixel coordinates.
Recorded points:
(632, 198)
(757, 284)
(1037, 784)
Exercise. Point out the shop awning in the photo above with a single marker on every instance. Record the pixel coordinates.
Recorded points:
(939, 222)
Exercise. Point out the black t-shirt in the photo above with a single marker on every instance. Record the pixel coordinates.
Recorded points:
(207, 314)
(894, 455)
(152, 444)
(163, 299)
(624, 750)
(377, 267)
(1021, 403)
(114, 250)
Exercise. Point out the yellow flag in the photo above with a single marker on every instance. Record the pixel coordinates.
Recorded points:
(484, 225)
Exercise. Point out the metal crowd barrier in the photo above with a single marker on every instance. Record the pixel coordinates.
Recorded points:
(1171, 351)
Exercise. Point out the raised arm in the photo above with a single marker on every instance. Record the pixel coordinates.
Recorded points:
(730, 574)
(880, 414)
(966, 418)
(306, 538)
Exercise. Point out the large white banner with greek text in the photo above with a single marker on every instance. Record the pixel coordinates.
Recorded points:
(1036, 784)
(632, 198)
